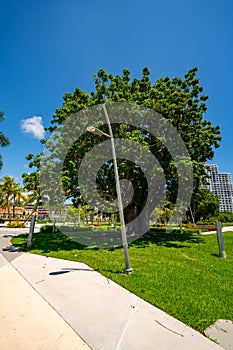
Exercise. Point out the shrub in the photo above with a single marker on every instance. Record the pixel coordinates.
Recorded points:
(44, 221)
(48, 228)
(212, 222)
(16, 224)
(203, 228)
(75, 229)
(225, 216)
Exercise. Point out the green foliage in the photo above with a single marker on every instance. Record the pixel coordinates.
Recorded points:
(157, 231)
(16, 224)
(31, 185)
(31, 181)
(11, 194)
(164, 216)
(72, 213)
(43, 221)
(179, 100)
(225, 216)
(48, 228)
(205, 205)
(212, 221)
(68, 229)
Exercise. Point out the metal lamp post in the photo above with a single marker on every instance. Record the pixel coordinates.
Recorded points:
(96, 131)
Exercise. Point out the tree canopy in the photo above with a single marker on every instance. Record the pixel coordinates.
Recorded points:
(31, 182)
(204, 205)
(179, 100)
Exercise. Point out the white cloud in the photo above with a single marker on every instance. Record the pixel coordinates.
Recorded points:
(33, 126)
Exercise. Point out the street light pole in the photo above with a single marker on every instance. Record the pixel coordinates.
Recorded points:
(128, 269)
(96, 131)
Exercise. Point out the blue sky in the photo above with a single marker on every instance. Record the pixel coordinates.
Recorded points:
(50, 47)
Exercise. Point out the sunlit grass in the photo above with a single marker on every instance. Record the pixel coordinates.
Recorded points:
(180, 274)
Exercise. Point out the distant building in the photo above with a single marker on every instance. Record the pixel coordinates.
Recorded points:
(221, 185)
(22, 212)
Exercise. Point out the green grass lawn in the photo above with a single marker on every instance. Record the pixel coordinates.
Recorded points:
(179, 273)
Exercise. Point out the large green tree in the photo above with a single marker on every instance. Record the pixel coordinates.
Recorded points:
(4, 141)
(179, 100)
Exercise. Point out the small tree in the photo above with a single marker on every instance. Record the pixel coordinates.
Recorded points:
(72, 214)
(204, 205)
(18, 198)
(31, 182)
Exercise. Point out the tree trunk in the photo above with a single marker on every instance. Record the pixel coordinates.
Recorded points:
(137, 222)
(13, 210)
(8, 209)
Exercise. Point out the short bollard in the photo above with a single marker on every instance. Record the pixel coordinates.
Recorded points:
(54, 225)
(222, 252)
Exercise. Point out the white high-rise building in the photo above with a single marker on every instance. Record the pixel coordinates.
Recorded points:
(221, 185)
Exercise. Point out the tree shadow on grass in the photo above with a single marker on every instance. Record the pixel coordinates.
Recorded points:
(169, 240)
(48, 241)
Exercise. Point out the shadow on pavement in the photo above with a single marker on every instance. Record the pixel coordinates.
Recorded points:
(66, 270)
(11, 249)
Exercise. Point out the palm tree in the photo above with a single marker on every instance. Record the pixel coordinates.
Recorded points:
(4, 141)
(3, 203)
(11, 193)
(18, 197)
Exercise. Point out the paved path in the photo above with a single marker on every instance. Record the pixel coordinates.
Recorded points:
(27, 320)
(49, 303)
(224, 229)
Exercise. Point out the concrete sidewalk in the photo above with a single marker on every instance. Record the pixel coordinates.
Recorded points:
(51, 303)
(27, 320)
(105, 315)
(224, 229)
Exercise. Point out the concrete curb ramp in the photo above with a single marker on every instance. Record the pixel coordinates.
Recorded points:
(105, 315)
(221, 332)
(27, 321)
